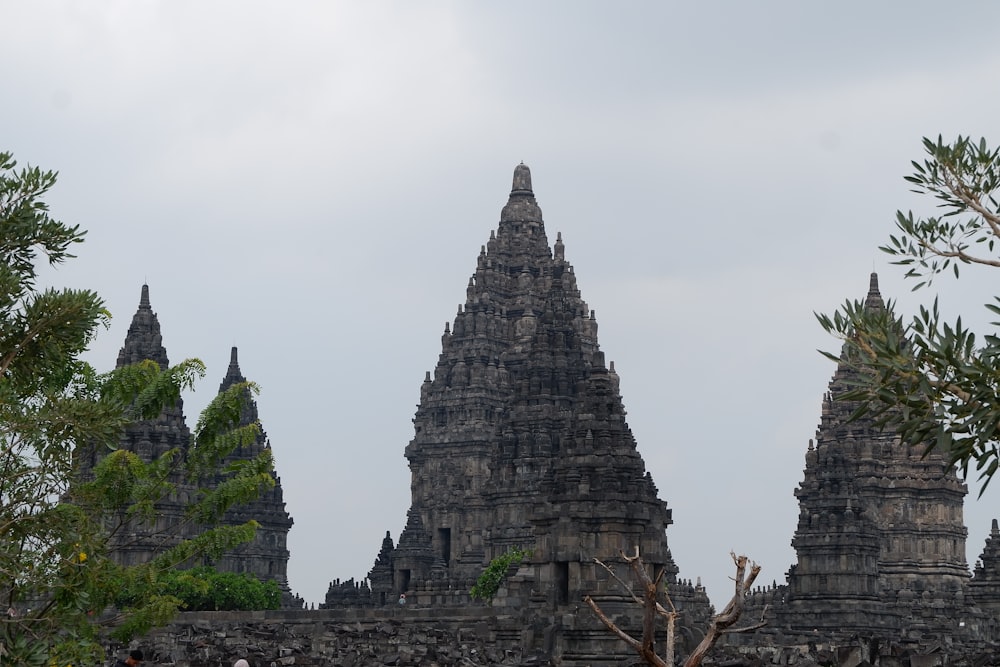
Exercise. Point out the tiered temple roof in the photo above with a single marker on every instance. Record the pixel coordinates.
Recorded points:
(150, 439)
(985, 584)
(880, 542)
(267, 556)
(521, 440)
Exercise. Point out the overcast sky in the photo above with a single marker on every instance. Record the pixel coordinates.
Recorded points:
(312, 182)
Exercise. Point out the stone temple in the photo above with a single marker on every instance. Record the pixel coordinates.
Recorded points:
(267, 555)
(880, 542)
(520, 441)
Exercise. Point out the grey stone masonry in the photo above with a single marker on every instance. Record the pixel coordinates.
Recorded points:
(267, 556)
(150, 439)
(985, 584)
(880, 542)
(520, 441)
(409, 637)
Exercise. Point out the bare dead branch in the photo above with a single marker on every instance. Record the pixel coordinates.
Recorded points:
(628, 589)
(614, 575)
(624, 636)
(720, 624)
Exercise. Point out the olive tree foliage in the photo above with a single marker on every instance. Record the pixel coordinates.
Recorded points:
(58, 578)
(933, 381)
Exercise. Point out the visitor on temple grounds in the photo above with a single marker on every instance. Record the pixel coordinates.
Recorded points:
(134, 658)
(241, 663)
(402, 599)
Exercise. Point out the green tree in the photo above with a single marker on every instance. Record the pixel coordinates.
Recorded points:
(57, 572)
(206, 589)
(933, 381)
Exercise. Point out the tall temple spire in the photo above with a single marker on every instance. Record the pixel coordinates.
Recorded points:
(150, 439)
(520, 437)
(267, 555)
(880, 533)
(144, 340)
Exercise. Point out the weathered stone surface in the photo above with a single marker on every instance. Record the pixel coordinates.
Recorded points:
(426, 637)
(267, 556)
(880, 541)
(520, 441)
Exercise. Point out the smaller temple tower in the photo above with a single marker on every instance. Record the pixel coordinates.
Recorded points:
(880, 542)
(985, 584)
(150, 439)
(266, 557)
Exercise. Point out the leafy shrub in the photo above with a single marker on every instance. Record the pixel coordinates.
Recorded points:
(495, 573)
(207, 589)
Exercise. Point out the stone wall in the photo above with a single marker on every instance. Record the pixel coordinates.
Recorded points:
(387, 636)
(406, 636)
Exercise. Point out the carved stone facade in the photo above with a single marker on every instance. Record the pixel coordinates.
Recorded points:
(985, 584)
(880, 542)
(521, 442)
(267, 555)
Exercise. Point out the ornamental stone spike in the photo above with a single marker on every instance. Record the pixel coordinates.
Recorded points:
(873, 301)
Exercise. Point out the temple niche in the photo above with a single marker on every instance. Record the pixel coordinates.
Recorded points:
(520, 441)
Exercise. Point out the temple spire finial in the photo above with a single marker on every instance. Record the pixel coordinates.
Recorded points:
(144, 297)
(522, 180)
(874, 298)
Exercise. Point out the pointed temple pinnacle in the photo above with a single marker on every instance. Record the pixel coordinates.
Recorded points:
(143, 340)
(874, 298)
(522, 181)
(233, 373)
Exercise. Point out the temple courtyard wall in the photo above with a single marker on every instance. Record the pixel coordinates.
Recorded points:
(409, 636)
